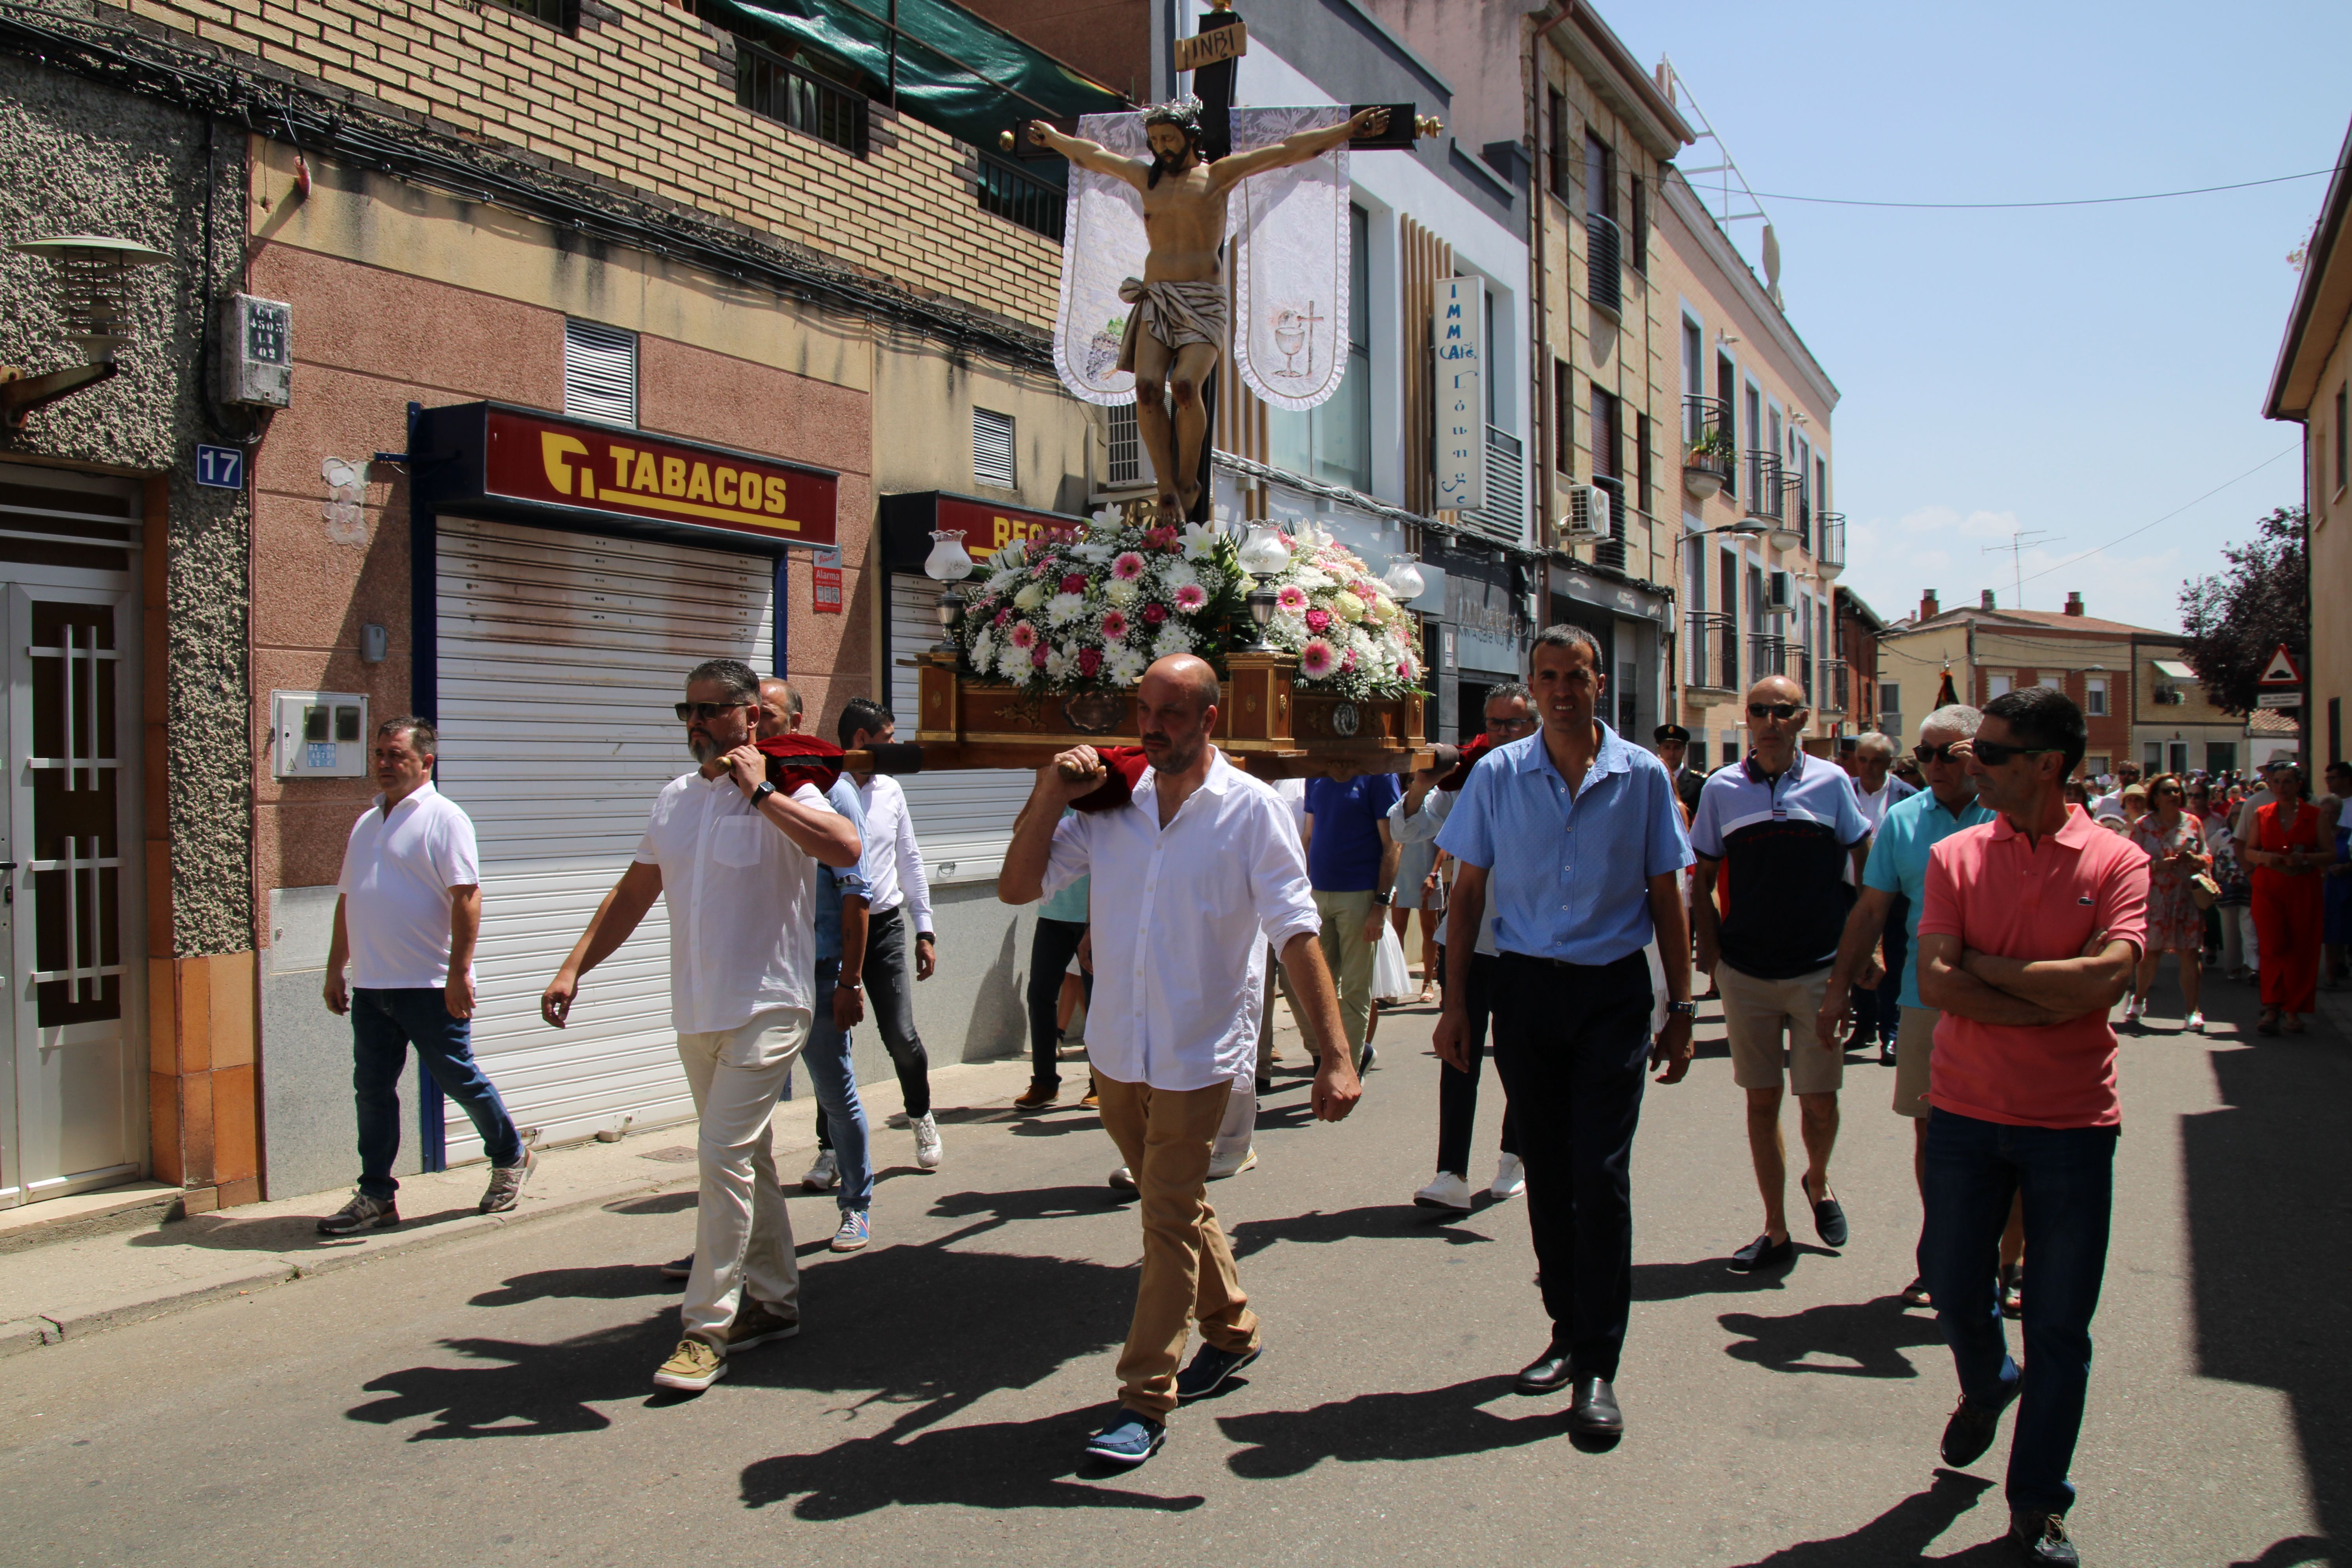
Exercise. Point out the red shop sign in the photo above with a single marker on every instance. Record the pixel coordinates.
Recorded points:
(563, 462)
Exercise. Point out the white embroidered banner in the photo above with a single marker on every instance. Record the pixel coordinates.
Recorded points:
(1287, 261)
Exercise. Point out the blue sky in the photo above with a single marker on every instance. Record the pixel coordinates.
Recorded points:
(2076, 372)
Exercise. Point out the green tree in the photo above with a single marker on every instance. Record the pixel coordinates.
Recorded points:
(2237, 618)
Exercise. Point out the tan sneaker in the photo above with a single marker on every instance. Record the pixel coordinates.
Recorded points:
(694, 1366)
(756, 1323)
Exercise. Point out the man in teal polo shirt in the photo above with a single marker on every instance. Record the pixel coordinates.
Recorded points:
(1898, 867)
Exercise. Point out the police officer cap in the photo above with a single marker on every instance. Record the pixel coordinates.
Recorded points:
(1670, 732)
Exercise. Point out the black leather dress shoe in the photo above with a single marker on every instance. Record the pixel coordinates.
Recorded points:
(1971, 1432)
(1594, 1414)
(1548, 1373)
(2042, 1538)
(1762, 1254)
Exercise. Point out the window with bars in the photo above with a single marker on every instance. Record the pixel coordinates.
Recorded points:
(1126, 462)
(768, 84)
(561, 15)
(600, 372)
(992, 449)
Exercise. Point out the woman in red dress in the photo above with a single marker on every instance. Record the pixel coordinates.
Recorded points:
(2286, 859)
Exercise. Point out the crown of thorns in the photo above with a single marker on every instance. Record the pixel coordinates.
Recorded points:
(1184, 113)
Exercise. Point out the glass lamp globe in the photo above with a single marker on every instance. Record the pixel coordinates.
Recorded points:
(947, 561)
(1264, 554)
(1404, 579)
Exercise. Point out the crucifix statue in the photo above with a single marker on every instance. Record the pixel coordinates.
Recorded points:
(1181, 324)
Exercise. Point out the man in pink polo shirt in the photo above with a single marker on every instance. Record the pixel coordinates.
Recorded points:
(2032, 923)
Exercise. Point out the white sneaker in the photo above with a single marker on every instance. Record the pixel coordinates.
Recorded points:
(2196, 1022)
(1510, 1177)
(1123, 1180)
(927, 1140)
(1448, 1191)
(2131, 1009)
(822, 1176)
(1223, 1165)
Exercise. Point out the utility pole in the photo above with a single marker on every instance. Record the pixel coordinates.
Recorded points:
(2019, 544)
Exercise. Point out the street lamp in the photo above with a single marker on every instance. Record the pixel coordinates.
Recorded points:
(948, 564)
(1263, 556)
(93, 295)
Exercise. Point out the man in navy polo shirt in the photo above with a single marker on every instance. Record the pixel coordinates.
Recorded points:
(1783, 828)
(1580, 838)
(1351, 864)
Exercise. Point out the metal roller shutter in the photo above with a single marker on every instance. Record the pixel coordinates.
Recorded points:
(561, 655)
(962, 820)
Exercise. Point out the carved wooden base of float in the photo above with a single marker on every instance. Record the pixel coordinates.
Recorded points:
(1263, 723)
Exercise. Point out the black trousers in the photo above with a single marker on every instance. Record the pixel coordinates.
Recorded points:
(1055, 944)
(1571, 1042)
(1457, 1091)
(890, 979)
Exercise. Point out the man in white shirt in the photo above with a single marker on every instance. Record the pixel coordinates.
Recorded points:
(2112, 804)
(408, 907)
(1192, 877)
(736, 859)
(901, 898)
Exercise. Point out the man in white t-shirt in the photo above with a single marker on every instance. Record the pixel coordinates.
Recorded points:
(735, 858)
(408, 907)
(2112, 802)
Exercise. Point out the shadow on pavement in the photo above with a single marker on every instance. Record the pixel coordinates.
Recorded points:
(661, 1202)
(2269, 1225)
(1903, 1533)
(517, 1390)
(281, 1233)
(998, 1465)
(2293, 1552)
(1375, 1222)
(1433, 1424)
(1705, 1276)
(611, 1282)
(1869, 1335)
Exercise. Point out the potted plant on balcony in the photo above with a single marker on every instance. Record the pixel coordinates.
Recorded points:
(1706, 465)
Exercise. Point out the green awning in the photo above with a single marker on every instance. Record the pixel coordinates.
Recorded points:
(954, 71)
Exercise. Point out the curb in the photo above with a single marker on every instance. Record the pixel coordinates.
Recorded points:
(57, 1328)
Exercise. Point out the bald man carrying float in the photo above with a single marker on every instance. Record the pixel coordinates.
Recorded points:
(1192, 878)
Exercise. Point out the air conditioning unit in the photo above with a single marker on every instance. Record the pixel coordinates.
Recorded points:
(1588, 514)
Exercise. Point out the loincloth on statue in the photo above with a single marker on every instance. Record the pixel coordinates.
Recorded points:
(1177, 313)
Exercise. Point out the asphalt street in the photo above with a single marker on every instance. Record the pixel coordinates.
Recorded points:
(488, 1401)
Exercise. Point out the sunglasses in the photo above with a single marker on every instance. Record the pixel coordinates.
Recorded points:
(1951, 753)
(1993, 755)
(706, 711)
(1775, 710)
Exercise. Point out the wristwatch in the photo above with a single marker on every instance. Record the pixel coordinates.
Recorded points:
(762, 793)
(1688, 1009)
(1381, 899)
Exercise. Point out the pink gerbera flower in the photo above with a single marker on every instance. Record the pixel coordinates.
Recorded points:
(1024, 636)
(1074, 583)
(1317, 660)
(1127, 566)
(1191, 597)
(1114, 626)
(1292, 597)
(1317, 620)
(1153, 614)
(1089, 661)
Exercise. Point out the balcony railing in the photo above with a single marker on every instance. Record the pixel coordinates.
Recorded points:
(1767, 655)
(1834, 676)
(1710, 461)
(767, 83)
(1714, 663)
(1604, 265)
(1830, 551)
(1017, 196)
(1794, 508)
(1504, 517)
(1765, 490)
(1796, 664)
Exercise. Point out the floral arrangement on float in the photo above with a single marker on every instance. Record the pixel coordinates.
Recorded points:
(1089, 613)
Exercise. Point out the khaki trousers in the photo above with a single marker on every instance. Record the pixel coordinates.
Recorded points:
(742, 1233)
(1164, 1136)
(1349, 957)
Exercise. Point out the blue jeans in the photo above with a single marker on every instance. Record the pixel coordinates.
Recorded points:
(384, 1024)
(834, 1083)
(2067, 1174)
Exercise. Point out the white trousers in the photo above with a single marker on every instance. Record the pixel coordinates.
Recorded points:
(743, 1233)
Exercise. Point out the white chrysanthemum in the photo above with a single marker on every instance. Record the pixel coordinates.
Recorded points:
(1178, 575)
(1122, 593)
(1064, 608)
(1095, 552)
(1125, 667)
(983, 652)
(1172, 638)
(1030, 598)
(1011, 662)
(1311, 580)
(1059, 662)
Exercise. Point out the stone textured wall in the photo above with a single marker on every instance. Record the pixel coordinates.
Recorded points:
(84, 159)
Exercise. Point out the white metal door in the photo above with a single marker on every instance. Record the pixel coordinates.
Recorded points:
(561, 655)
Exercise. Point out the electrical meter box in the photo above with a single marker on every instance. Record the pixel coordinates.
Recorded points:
(257, 351)
(318, 734)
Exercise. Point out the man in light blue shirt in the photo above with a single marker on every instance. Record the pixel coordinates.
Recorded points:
(1897, 870)
(1577, 839)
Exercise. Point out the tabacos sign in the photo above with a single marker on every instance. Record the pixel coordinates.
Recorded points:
(560, 462)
